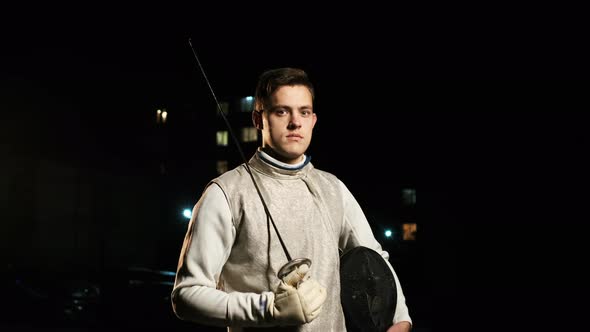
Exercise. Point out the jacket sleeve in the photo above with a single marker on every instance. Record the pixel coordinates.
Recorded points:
(355, 232)
(206, 248)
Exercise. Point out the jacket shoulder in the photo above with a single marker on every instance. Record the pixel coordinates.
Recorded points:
(230, 176)
(325, 176)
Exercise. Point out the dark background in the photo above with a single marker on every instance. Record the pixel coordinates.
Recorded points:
(480, 109)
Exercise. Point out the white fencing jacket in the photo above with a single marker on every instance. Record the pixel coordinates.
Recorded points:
(231, 254)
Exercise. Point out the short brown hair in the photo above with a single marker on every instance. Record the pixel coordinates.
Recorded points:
(271, 80)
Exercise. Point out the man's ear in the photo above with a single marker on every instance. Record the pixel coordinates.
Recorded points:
(257, 119)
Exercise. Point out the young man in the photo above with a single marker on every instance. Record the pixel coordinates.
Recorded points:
(227, 271)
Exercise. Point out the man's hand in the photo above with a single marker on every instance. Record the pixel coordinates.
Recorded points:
(300, 274)
(400, 327)
(298, 298)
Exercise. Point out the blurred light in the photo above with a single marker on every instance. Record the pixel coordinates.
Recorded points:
(223, 108)
(164, 116)
(187, 213)
(222, 137)
(409, 196)
(410, 230)
(222, 166)
(249, 134)
(388, 233)
(247, 104)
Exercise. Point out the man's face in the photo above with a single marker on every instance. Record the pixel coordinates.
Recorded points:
(287, 124)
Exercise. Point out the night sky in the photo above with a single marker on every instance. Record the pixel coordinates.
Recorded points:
(476, 109)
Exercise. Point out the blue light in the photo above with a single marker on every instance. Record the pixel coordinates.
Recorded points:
(388, 233)
(187, 213)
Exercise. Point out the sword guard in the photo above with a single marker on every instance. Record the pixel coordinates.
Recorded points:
(291, 266)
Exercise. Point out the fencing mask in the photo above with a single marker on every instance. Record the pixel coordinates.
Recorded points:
(368, 292)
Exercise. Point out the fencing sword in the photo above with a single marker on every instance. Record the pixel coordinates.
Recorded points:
(292, 264)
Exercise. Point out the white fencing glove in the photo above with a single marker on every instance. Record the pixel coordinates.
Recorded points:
(298, 298)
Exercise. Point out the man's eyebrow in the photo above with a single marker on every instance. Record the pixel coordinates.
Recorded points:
(280, 106)
(309, 107)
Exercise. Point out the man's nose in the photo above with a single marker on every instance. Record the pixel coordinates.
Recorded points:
(294, 121)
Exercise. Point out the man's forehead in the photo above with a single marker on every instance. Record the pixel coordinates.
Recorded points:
(289, 93)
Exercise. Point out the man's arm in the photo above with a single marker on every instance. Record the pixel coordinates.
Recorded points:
(205, 250)
(356, 231)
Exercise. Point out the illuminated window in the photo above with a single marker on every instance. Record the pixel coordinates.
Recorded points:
(222, 138)
(222, 166)
(410, 230)
(249, 134)
(161, 116)
(224, 107)
(409, 196)
(247, 104)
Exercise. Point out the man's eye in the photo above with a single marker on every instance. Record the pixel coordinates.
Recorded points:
(280, 112)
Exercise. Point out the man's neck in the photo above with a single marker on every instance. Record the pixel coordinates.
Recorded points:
(269, 158)
(270, 152)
